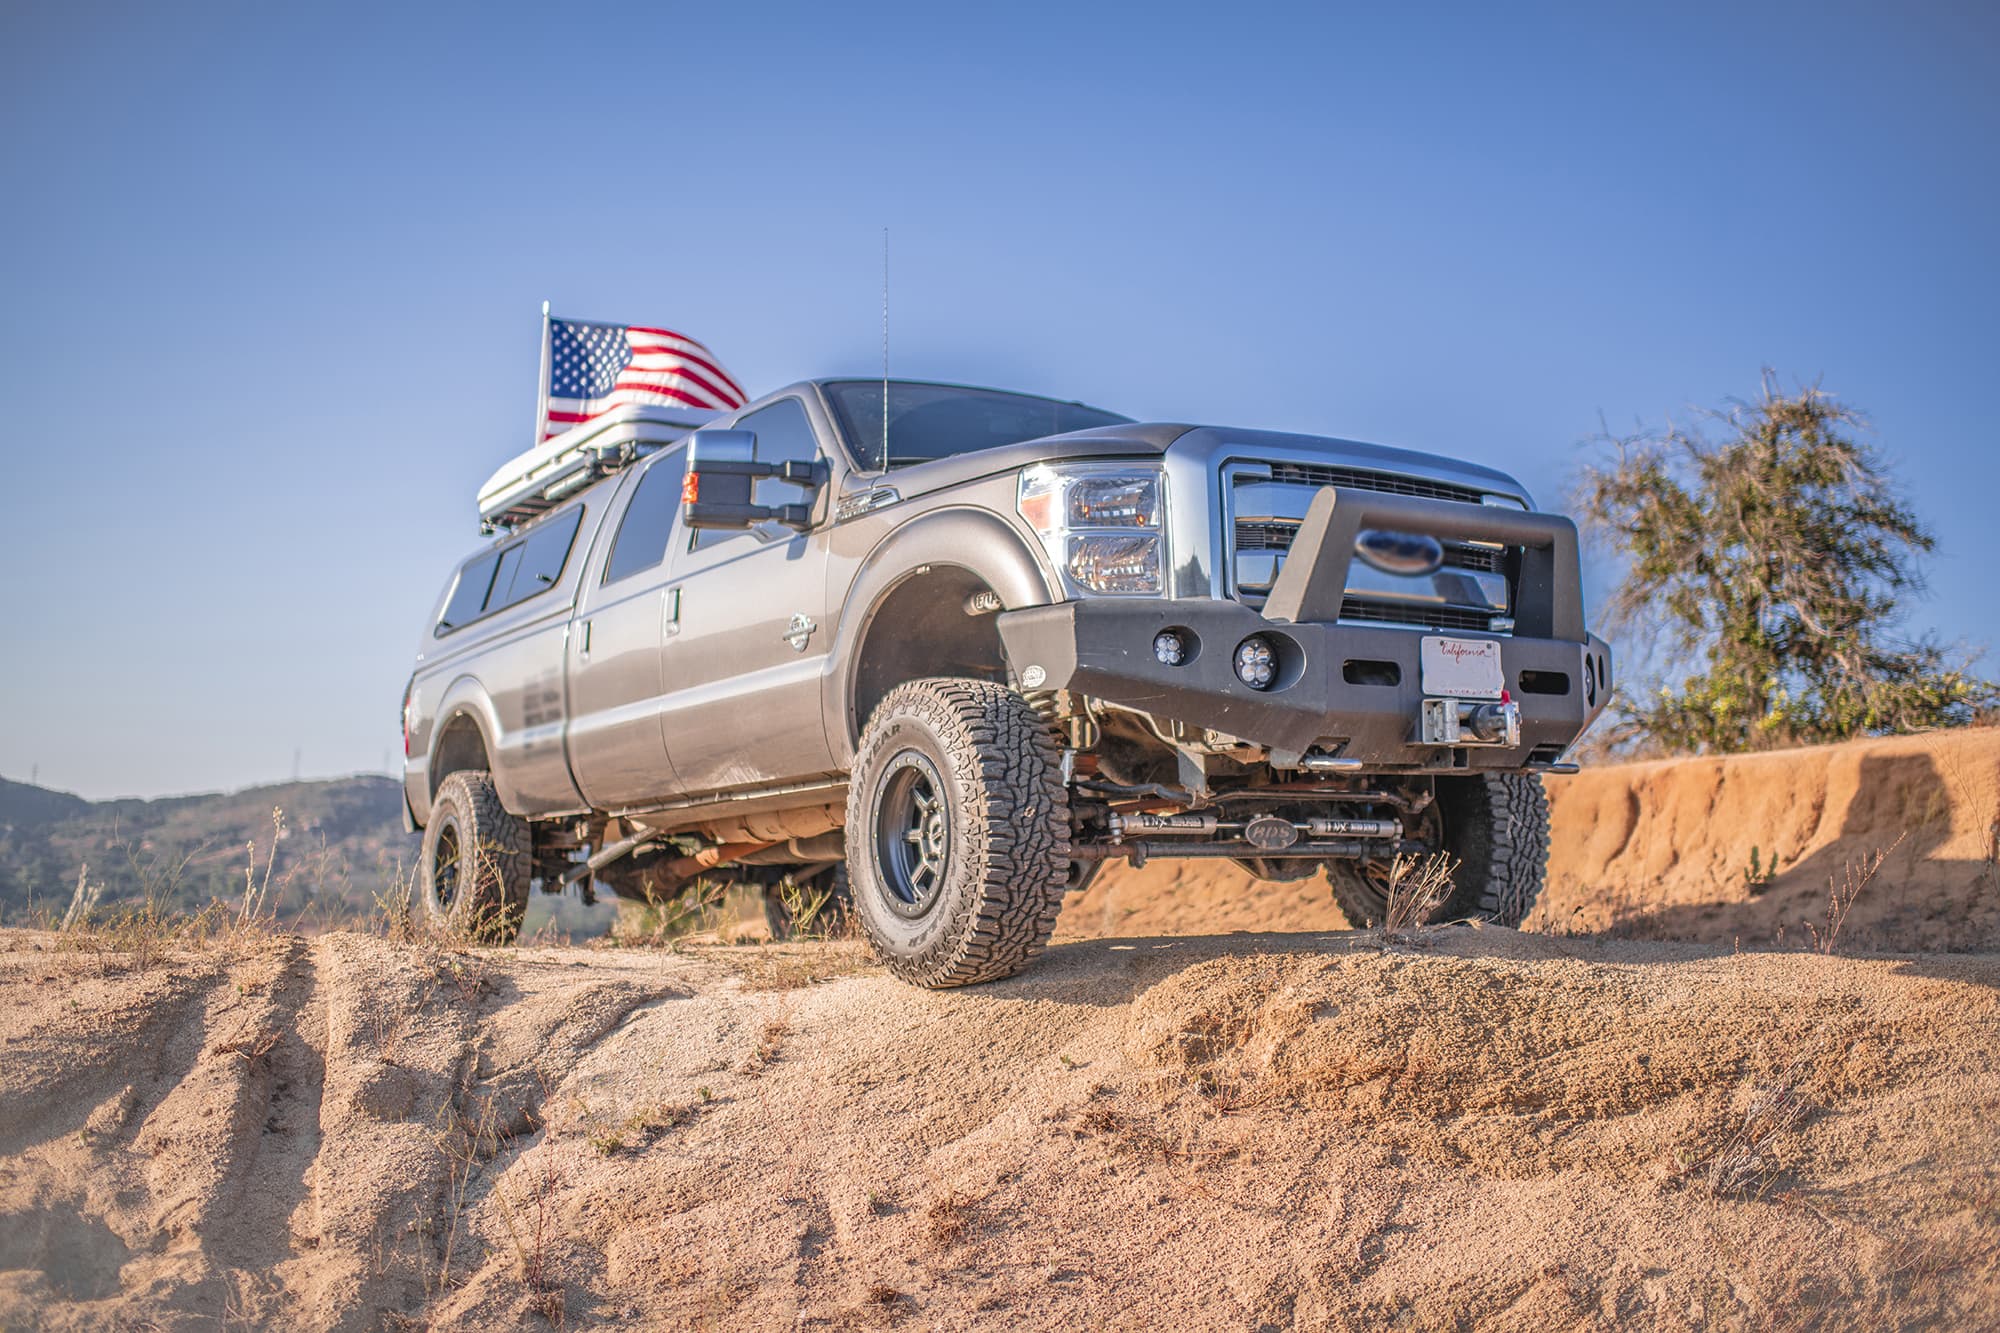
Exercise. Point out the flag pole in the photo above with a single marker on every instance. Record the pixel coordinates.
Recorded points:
(542, 385)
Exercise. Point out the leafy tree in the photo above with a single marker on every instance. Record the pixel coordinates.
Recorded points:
(1766, 562)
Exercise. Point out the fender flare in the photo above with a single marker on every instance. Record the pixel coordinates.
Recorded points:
(464, 697)
(959, 537)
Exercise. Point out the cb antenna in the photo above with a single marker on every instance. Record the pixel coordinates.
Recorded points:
(885, 349)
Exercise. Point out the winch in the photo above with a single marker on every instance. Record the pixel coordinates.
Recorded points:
(1471, 722)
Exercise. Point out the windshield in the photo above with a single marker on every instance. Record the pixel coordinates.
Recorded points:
(928, 421)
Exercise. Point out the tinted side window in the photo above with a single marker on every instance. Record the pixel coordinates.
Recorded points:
(503, 578)
(784, 433)
(543, 556)
(469, 597)
(642, 536)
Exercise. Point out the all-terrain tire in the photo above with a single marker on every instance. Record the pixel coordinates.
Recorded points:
(474, 867)
(1496, 828)
(824, 898)
(957, 832)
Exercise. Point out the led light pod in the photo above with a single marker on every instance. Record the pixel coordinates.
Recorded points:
(1257, 662)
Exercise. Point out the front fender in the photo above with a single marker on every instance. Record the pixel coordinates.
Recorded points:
(974, 540)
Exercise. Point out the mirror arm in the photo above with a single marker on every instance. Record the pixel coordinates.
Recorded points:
(698, 514)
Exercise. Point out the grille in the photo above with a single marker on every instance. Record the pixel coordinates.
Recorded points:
(1265, 536)
(1318, 474)
(1485, 559)
(1254, 536)
(1430, 617)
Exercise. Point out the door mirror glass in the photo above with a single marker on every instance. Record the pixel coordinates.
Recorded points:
(722, 471)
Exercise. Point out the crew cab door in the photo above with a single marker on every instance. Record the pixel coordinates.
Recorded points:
(749, 631)
(616, 749)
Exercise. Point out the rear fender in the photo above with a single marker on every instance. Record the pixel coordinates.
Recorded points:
(465, 699)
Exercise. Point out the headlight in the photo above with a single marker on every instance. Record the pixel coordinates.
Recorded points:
(1104, 563)
(1114, 502)
(1103, 525)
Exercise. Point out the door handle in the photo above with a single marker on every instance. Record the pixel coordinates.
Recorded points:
(583, 640)
(670, 611)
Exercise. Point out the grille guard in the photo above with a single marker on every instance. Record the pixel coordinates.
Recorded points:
(1548, 603)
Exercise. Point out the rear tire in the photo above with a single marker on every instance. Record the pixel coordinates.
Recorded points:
(474, 866)
(1496, 827)
(957, 832)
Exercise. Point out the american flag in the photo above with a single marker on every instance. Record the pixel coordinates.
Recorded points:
(596, 367)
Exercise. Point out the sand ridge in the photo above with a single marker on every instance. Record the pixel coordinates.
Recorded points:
(1209, 1105)
(1663, 850)
(1253, 1131)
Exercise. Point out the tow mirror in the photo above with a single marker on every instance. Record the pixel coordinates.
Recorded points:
(723, 469)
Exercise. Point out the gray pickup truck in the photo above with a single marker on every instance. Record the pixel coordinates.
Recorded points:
(933, 654)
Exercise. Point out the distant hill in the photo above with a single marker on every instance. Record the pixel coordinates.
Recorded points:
(341, 844)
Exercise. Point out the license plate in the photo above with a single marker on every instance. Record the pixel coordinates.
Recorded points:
(1462, 668)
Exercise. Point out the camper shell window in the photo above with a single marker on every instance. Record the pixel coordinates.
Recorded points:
(495, 580)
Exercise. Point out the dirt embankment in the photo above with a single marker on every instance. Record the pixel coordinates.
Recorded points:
(1316, 1129)
(1665, 850)
(1251, 1132)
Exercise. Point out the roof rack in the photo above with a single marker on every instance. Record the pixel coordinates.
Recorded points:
(531, 484)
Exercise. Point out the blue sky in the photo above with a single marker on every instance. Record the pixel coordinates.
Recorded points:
(271, 275)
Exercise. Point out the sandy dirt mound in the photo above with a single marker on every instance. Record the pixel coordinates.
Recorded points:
(1250, 1132)
(1663, 851)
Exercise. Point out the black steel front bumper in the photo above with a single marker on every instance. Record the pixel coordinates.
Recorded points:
(1353, 691)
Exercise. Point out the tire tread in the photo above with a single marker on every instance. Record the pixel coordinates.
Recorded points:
(1008, 780)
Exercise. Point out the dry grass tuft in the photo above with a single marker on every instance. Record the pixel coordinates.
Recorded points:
(532, 1224)
(781, 967)
(251, 1049)
(146, 930)
(950, 1217)
(1840, 896)
(643, 1127)
(814, 912)
(769, 1044)
(1101, 1120)
(1417, 888)
(702, 906)
(1749, 1161)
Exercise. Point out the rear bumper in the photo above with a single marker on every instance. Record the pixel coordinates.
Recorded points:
(1351, 690)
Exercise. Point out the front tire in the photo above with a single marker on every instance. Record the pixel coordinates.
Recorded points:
(957, 832)
(1494, 826)
(474, 867)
